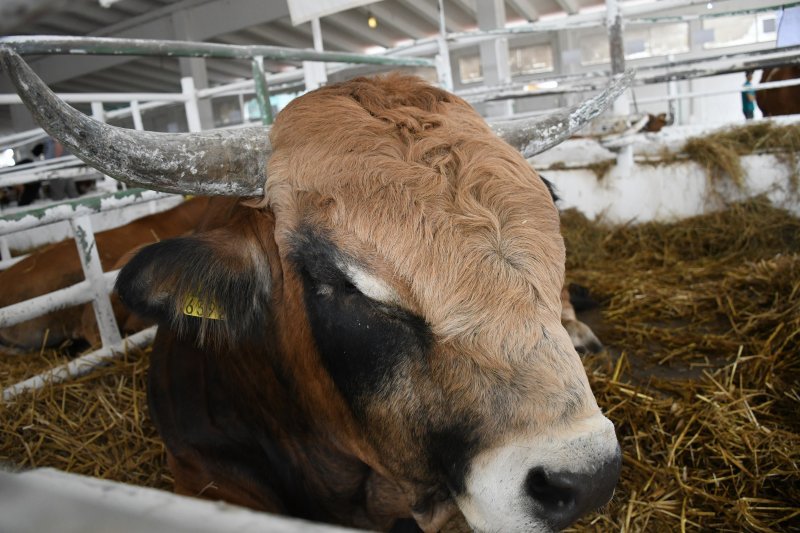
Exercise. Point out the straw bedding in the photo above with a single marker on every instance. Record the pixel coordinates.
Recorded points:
(702, 321)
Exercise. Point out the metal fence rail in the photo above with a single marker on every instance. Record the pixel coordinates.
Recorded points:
(96, 285)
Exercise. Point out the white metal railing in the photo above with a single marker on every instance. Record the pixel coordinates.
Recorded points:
(95, 287)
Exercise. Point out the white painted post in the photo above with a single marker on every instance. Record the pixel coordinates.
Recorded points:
(5, 253)
(443, 69)
(192, 109)
(314, 73)
(98, 113)
(494, 55)
(621, 106)
(93, 271)
(136, 114)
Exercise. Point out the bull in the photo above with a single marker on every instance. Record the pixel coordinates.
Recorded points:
(374, 332)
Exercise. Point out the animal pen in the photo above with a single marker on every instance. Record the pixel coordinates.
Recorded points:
(700, 316)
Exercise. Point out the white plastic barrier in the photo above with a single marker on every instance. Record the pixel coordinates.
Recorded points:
(47, 500)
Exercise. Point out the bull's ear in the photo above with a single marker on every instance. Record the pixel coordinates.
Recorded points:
(212, 288)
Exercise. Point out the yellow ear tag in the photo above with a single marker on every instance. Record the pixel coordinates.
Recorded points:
(194, 306)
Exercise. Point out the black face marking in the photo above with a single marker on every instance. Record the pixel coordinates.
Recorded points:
(362, 342)
(452, 449)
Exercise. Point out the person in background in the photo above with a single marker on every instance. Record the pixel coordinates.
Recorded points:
(748, 96)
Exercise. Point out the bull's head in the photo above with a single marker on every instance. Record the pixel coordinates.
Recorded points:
(418, 258)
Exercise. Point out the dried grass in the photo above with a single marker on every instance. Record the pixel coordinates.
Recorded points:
(720, 153)
(703, 382)
(702, 318)
(95, 425)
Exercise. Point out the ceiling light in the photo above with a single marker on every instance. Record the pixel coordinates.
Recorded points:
(372, 22)
(709, 6)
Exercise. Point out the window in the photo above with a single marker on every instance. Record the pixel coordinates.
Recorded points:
(737, 30)
(530, 59)
(669, 39)
(469, 69)
(640, 42)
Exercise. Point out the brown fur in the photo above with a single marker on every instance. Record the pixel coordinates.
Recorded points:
(782, 100)
(411, 182)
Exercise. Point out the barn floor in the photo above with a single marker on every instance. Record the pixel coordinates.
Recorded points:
(701, 377)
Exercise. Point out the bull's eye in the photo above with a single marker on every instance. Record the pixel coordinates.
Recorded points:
(323, 289)
(349, 287)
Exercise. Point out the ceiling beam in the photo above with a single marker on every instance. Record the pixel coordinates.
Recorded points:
(357, 26)
(169, 77)
(17, 14)
(430, 12)
(71, 24)
(282, 37)
(208, 18)
(570, 6)
(524, 8)
(403, 21)
(132, 7)
(92, 11)
(121, 82)
(331, 38)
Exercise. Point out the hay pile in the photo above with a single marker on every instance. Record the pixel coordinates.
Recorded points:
(720, 153)
(702, 320)
(703, 378)
(95, 425)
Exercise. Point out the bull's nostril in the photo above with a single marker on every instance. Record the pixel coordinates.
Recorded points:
(548, 491)
(562, 497)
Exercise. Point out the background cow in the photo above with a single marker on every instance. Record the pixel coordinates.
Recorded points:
(380, 334)
(57, 266)
(782, 100)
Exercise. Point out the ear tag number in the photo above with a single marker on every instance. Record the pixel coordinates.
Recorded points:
(194, 306)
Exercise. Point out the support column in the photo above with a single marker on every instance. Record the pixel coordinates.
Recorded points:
(444, 70)
(314, 72)
(494, 53)
(93, 271)
(193, 67)
(621, 106)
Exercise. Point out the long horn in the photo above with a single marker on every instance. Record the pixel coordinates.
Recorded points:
(210, 163)
(533, 136)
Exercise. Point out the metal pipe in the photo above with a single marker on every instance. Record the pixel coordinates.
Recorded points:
(88, 98)
(21, 178)
(696, 94)
(63, 211)
(77, 294)
(190, 104)
(262, 90)
(93, 272)
(81, 365)
(55, 44)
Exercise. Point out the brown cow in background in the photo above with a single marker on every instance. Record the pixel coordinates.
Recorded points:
(57, 266)
(782, 100)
